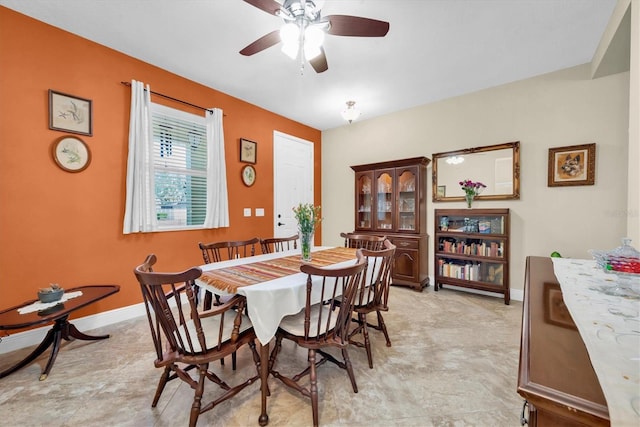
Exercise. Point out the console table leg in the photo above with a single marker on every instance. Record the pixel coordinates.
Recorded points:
(61, 329)
(57, 338)
(71, 330)
(46, 342)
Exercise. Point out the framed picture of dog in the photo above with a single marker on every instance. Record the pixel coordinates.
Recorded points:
(572, 165)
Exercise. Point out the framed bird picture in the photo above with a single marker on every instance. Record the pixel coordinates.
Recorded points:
(69, 113)
(248, 151)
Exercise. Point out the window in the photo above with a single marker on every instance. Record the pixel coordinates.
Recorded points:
(179, 168)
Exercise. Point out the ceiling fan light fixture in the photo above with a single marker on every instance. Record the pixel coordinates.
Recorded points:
(290, 49)
(313, 36)
(350, 113)
(290, 34)
(311, 51)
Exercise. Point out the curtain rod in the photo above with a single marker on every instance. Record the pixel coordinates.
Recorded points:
(175, 99)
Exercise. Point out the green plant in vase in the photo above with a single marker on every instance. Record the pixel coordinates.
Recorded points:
(308, 217)
(471, 190)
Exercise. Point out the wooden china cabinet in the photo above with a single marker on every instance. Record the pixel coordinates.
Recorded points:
(391, 201)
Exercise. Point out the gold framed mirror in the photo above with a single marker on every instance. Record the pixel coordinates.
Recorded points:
(496, 166)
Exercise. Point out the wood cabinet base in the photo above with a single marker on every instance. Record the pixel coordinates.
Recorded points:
(555, 374)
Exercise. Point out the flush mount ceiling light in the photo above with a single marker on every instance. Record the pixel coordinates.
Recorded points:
(351, 112)
(304, 29)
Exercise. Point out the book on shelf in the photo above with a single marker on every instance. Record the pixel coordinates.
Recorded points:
(487, 249)
(466, 271)
(497, 225)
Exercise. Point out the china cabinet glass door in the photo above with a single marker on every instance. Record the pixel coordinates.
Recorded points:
(365, 199)
(384, 200)
(407, 200)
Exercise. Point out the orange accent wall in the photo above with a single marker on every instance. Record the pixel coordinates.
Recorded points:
(63, 227)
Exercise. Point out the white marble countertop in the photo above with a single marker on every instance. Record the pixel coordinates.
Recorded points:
(606, 309)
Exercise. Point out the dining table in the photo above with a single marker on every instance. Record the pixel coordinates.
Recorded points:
(274, 288)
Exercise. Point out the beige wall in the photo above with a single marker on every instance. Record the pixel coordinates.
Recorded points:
(557, 109)
(633, 209)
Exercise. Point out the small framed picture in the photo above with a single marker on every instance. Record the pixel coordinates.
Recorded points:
(248, 175)
(442, 191)
(572, 165)
(71, 154)
(69, 113)
(248, 151)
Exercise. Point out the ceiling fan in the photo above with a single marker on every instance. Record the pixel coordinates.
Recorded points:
(304, 29)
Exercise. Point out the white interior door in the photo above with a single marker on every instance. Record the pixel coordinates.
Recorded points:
(293, 180)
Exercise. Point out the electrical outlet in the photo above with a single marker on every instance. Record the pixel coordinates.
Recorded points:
(247, 211)
(259, 211)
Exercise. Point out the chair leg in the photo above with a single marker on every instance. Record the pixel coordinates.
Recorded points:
(233, 360)
(383, 327)
(362, 318)
(164, 378)
(313, 386)
(349, 368)
(197, 398)
(274, 353)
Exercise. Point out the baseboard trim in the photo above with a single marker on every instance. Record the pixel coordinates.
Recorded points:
(32, 337)
(514, 294)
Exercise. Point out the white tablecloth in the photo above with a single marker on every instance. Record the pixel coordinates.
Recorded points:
(269, 302)
(606, 309)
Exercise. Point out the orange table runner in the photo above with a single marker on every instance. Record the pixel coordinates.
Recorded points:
(230, 279)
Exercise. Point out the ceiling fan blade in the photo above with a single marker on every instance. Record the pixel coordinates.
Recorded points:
(269, 6)
(319, 63)
(345, 25)
(262, 43)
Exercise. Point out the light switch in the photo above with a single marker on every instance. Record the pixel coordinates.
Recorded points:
(247, 211)
(259, 211)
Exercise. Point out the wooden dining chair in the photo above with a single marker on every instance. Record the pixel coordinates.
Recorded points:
(363, 241)
(225, 250)
(322, 325)
(221, 251)
(186, 339)
(373, 296)
(279, 244)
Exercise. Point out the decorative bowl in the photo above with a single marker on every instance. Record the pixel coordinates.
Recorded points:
(50, 295)
(623, 260)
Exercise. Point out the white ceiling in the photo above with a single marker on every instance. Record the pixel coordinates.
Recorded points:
(435, 49)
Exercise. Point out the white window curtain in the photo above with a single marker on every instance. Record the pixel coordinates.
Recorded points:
(140, 210)
(140, 206)
(217, 197)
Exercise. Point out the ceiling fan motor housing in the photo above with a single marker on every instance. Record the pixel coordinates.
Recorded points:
(294, 9)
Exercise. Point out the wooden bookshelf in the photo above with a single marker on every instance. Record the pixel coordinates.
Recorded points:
(472, 249)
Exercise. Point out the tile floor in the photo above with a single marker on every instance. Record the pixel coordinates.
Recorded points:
(453, 362)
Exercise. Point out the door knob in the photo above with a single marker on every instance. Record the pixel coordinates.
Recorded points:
(280, 223)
